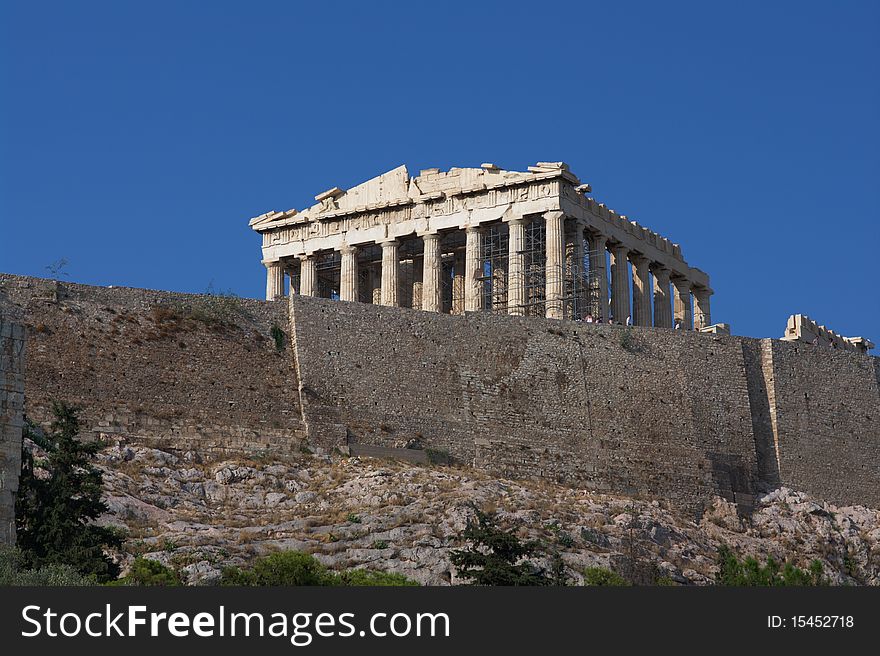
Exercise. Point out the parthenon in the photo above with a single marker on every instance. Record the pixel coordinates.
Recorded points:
(483, 239)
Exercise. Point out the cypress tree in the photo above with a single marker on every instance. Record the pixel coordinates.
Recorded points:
(59, 497)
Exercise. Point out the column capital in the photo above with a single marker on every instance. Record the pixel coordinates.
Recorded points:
(472, 228)
(637, 258)
(661, 271)
(617, 247)
(270, 263)
(306, 257)
(348, 249)
(554, 214)
(429, 235)
(515, 221)
(391, 241)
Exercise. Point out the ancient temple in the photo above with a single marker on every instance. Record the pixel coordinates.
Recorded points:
(482, 239)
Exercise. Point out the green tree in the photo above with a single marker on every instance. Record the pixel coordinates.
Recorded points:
(749, 572)
(496, 556)
(59, 497)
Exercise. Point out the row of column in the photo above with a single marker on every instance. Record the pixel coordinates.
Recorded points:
(652, 304)
(667, 306)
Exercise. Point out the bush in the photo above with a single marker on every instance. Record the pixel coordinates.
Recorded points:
(749, 572)
(149, 572)
(628, 342)
(282, 568)
(14, 572)
(277, 335)
(603, 576)
(366, 577)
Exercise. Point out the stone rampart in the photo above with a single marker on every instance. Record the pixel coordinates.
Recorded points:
(676, 415)
(12, 382)
(671, 414)
(194, 370)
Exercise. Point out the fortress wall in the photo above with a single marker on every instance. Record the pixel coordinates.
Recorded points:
(181, 368)
(828, 412)
(642, 411)
(759, 377)
(669, 414)
(12, 343)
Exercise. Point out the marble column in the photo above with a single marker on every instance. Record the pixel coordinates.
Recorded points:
(577, 306)
(641, 290)
(458, 283)
(390, 273)
(516, 279)
(702, 314)
(348, 276)
(308, 278)
(554, 262)
(432, 299)
(619, 284)
(274, 280)
(662, 304)
(683, 303)
(598, 277)
(472, 273)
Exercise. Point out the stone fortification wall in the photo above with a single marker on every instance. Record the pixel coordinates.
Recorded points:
(670, 414)
(12, 345)
(827, 406)
(643, 411)
(190, 369)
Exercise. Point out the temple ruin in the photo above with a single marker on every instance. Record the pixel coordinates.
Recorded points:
(483, 239)
(800, 328)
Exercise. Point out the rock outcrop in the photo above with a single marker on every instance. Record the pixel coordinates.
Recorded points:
(198, 515)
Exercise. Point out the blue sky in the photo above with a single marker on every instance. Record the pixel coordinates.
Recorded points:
(137, 139)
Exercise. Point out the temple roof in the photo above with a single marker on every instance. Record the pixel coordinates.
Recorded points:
(397, 187)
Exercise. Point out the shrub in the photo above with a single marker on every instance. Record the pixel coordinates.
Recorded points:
(628, 342)
(366, 577)
(749, 572)
(149, 572)
(352, 518)
(380, 544)
(277, 335)
(14, 572)
(282, 568)
(603, 576)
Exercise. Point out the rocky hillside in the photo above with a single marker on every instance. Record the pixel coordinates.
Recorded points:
(198, 515)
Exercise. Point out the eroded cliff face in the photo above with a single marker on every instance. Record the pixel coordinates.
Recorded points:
(198, 514)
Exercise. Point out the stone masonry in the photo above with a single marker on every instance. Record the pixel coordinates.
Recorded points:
(680, 415)
(195, 371)
(800, 328)
(673, 414)
(12, 385)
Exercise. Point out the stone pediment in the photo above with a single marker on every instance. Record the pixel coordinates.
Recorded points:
(396, 187)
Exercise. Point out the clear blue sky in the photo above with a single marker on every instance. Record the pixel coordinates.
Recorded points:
(138, 138)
